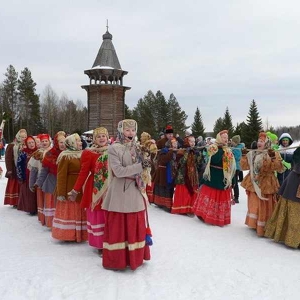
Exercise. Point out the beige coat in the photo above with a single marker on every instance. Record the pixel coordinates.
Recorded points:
(123, 195)
(267, 179)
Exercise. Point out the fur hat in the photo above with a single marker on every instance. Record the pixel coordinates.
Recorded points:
(236, 139)
(169, 129)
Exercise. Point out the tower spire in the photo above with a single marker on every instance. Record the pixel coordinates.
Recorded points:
(107, 25)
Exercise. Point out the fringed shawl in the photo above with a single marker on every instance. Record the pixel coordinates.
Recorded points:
(101, 175)
(228, 162)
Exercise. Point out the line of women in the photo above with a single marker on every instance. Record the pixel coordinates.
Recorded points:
(273, 210)
(95, 194)
(100, 194)
(195, 181)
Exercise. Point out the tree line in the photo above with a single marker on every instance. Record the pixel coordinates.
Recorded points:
(22, 107)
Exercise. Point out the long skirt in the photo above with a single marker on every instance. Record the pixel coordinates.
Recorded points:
(284, 224)
(40, 205)
(163, 196)
(213, 206)
(149, 191)
(11, 196)
(69, 222)
(49, 209)
(183, 200)
(124, 240)
(95, 227)
(259, 211)
(27, 199)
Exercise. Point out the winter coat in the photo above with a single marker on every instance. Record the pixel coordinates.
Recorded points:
(86, 177)
(237, 153)
(10, 162)
(46, 180)
(267, 180)
(123, 195)
(67, 173)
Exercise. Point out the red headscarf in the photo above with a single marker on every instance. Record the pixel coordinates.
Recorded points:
(51, 156)
(26, 149)
(44, 136)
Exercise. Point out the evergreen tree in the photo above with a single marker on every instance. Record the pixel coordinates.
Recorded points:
(176, 116)
(144, 115)
(128, 112)
(238, 129)
(227, 122)
(160, 109)
(9, 95)
(253, 125)
(218, 126)
(29, 104)
(197, 126)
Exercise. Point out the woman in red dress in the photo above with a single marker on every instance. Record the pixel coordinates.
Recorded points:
(213, 204)
(93, 174)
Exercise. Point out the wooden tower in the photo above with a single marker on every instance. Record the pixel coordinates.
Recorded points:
(106, 92)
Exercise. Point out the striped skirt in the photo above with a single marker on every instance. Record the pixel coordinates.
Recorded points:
(95, 227)
(11, 196)
(124, 241)
(259, 211)
(69, 222)
(40, 205)
(163, 196)
(49, 209)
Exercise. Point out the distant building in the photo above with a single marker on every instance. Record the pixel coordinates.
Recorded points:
(106, 92)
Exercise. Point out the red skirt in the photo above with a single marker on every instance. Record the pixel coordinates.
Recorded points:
(49, 209)
(124, 240)
(27, 199)
(12, 192)
(213, 206)
(40, 205)
(183, 200)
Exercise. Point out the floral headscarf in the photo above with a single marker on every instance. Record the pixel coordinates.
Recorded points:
(18, 144)
(72, 150)
(127, 123)
(101, 173)
(51, 156)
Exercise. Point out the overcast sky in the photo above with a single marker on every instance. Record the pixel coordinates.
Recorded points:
(210, 54)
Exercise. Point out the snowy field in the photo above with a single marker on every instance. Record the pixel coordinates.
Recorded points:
(190, 260)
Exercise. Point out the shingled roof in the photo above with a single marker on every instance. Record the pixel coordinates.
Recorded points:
(107, 55)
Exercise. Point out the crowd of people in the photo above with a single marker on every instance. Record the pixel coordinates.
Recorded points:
(101, 193)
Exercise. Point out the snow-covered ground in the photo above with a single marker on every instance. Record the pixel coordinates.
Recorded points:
(190, 260)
